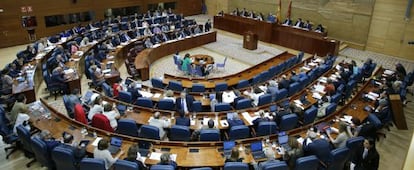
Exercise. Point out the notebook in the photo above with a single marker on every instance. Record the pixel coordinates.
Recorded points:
(227, 147)
(257, 150)
(115, 145)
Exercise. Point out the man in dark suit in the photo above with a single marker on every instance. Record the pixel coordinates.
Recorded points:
(184, 103)
(366, 157)
(58, 77)
(287, 21)
(299, 23)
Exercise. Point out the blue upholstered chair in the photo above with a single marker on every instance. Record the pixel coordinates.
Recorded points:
(203, 168)
(221, 65)
(92, 163)
(209, 135)
(331, 108)
(280, 94)
(288, 122)
(24, 137)
(222, 86)
(150, 132)
(196, 106)
(336, 98)
(175, 86)
(264, 99)
(166, 104)
(127, 127)
(235, 166)
(162, 167)
(199, 88)
(310, 162)
(294, 88)
(157, 83)
(242, 84)
(243, 104)
(310, 115)
(6, 131)
(339, 156)
(222, 107)
(107, 90)
(279, 165)
(125, 97)
(125, 165)
(266, 128)
(64, 158)
(42, 155)
(179, 133)
(144, 102)
(239, 132)
(256, 79)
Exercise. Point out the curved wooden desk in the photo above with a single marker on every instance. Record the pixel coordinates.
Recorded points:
(146, 57)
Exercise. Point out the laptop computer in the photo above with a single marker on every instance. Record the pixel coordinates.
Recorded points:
(304, 100)
(87, 97)
(283, 140)
(257, 150)
(227, 147)
(115, 145)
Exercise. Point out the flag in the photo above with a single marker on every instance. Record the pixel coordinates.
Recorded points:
(279, 12)
(289, 8)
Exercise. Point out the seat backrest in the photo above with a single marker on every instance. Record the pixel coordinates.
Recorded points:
(372, 118)
(331, 108)
(150, 132)
(203, 168)
(281, 94)
(41, 153)
(353, 144)
(80, 114)
(264, 99)
(162, 167)
(243, 104)
(107, 90)
(209, 135)
(293, 88)
(288, 122)
(5, 130)
(222, 107)
(310, 162)
(256, 79)
(24, 137)
(144, 102)
(175, 86)
(64, 158)
(339, 157)
(127, 127)
(157, 83)
(242, 84)
(125, 96)
(125, 165)
(336, 97)
(92, 163)
(196, 106)
(279, 165)
(222, 86)
(166, 104)
(239, 132)
(102, 122)
(235, 166)
(310, 115)
(198, 88)
(266, 128)
(179, 133)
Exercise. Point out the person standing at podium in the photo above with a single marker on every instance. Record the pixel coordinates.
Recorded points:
(207, 25)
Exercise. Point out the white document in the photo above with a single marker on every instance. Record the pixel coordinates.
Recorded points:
(69, 71)
(316, 96)
(145, 94)
(157, 95)
(224, 123)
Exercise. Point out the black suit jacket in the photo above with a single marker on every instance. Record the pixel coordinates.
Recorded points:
(371, 161)
(189, 102)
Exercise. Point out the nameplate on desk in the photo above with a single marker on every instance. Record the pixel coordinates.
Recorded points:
(106, 71)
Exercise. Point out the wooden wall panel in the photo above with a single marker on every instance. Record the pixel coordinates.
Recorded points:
(12, 33)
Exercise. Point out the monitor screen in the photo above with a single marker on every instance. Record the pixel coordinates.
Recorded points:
(256, 146)
(228, 145)
(283, 139)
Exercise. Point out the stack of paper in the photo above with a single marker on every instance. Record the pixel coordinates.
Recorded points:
(316, 96)
(347, 119)
(248, 118)
(320, 89)
(157, 95)
(145, 93)
(388, 72)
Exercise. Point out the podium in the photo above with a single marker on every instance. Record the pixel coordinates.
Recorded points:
(250, 40)
(398, 112)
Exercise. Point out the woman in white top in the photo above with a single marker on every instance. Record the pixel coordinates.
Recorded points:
(102, 152)
(96, 108)
(112, 115)
(343, 136)
(84, 42)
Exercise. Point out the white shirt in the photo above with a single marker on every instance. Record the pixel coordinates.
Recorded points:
(161, 124)
(95, 109)
(111, 115)
(255, 97)
(228, 97)
(105, 155)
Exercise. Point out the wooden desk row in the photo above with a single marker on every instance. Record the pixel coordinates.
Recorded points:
(290, 37)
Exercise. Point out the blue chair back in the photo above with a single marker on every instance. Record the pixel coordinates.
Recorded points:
(353, 144)
(222, 107)
(24, 137)
(239, 132)
(196, 106)
(203, 168)
(266, 128)
(144, 102)
(310, 115)
(372, 118)
(162, 167)
(166, 104)
(280, 94)
(336, 98)
(242, 84)
(125, 96)
(310, 162)
(157, 83)
(222, 86)
(199, 88)
(339, 157)
(175, 86)
(264, 99)
(64, 158)
(256, 79)
(288, 122)
(209, 135)
(125, 165)
(293, 88)
(150, 132)
(235, 166)
(179, 133)
(243, 104)
(107, 90)
(331, 108)
(92, 163)
(41, 153)
(127, 127)
(279, 165)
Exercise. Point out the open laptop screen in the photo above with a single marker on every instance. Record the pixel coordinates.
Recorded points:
(256, 146)
(228, 145)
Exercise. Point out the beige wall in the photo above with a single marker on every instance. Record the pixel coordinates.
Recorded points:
(390, 32)
(215, 6)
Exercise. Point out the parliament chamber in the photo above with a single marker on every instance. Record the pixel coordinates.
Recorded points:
(105, 66)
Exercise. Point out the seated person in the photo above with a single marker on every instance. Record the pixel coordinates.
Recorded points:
(160, 37)
(271, 18)
(115, 41)
(299, 23)
(147, 32)
(156, 30)
(254, 94)
(307, 25)
(73, 99)
(58, 77)
(102, 152)
(319, 147)
(165, 28)
(234, 156)
(284, 83)
(343, 135)
(287, 21)
(320, 29)
(197, 30)
(260, 17)
(6, 83)
(133, 155)
(271, 158)
(134, 88)
(196, 134)
(112, 114)
(383, 110)
(261, 118)
(184, 103)
(329, 88)
(160, 123)
(13, 71)
(234, 120)
(148, 43)
(50, 142)
(97, 75)
(182, 120)
(96, 108)
(322, 107)
(78, 150)
(165, 159)
(84, 42)
(292, 155)
(19, 62)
